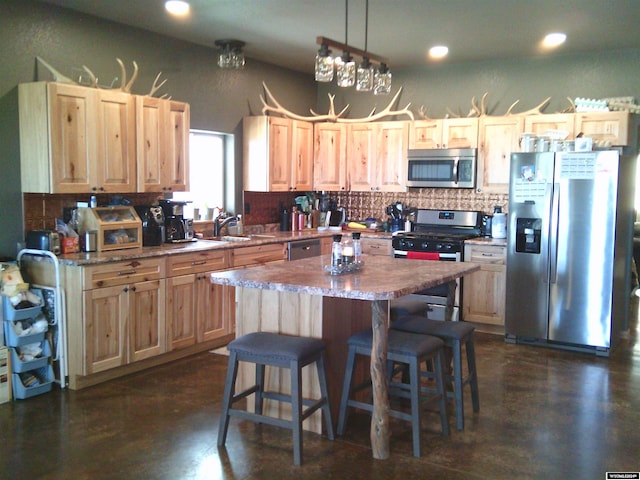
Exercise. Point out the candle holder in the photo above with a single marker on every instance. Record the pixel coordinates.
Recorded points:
(343, 268)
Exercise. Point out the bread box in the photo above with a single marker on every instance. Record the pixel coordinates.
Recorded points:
(117, 227)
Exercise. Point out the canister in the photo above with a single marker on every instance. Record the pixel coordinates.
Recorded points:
(528, 142)
(89, 241)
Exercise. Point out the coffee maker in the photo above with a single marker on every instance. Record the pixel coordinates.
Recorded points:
(152, 225)
(176, 227)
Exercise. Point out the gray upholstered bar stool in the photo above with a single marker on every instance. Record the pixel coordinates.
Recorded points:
(404, 348)
(455, 335)
(403, 306)
(294, 353)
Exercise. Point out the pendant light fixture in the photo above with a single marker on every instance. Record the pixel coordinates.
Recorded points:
(366, 76)
(230, 53)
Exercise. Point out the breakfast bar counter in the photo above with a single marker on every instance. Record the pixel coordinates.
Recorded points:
(302, 298)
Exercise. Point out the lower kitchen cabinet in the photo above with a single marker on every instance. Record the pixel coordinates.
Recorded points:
(197, 310)
(123, 324)
(124, 316)
(483, 299)
(376, 246)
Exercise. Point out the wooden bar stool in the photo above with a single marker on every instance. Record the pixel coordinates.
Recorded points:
(454, 335)
(403, 348)
(294, 353)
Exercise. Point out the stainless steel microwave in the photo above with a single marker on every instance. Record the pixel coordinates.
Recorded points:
(442, 168)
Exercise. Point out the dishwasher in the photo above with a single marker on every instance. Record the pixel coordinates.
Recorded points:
(303, 249)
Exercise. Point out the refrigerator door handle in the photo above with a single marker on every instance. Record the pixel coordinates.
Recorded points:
(553, 250)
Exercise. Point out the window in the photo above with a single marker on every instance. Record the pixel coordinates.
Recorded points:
(207, 161)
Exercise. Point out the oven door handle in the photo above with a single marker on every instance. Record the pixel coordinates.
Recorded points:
(443, 256)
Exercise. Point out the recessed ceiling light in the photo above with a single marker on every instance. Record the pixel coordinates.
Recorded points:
(439, 51)
(554, 39)
(177, 7)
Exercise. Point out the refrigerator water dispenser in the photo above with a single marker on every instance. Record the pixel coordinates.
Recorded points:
(528, 235)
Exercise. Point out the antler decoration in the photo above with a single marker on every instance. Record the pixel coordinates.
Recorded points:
(331, 116)
(476, 111)
(537, 110)
(124, 86)
(155, 87)
(423, 114)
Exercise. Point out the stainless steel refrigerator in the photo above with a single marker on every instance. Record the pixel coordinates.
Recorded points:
(569, 239)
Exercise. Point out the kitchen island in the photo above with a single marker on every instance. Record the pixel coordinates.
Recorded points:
(302, 298)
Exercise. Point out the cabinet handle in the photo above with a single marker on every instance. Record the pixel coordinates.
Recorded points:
(199, 262)
(127, 272)
(133, 289)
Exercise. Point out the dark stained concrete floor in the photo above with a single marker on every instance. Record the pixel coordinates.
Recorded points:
(544, 414)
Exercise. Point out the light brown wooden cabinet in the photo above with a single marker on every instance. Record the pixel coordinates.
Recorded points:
(444, 133)
(376, 246)
(377, 156)
(197, 310)
(277, 154)
(258, 255)
(330, 157)
(162, 138)
(124, 318)
(75, 139)
(498, 137)
(539, 124)
(484, 290)
(613, 127)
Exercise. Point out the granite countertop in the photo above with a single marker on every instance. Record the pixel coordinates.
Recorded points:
(126, 254)
(381, 277)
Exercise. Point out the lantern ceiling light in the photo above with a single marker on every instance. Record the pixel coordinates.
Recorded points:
(230, 53)
(366, 77)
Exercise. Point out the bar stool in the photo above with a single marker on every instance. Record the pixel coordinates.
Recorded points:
(403, 306)
(294, 353)
(405, 348)
(454, 335)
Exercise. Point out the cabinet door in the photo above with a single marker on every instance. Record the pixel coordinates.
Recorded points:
(426, 134)
(106, 312)
(460, 133)
(116, 144)
(361, 159)
(539, 124)
(147, 330)
(484, 290)
(605, 126)
(150, 118)
(280, 138)
(181, 311)
(498, 137)
(175, 169)
(302, 156)
(215, 307)
(329, 157)
(391, 156)
(72, 123)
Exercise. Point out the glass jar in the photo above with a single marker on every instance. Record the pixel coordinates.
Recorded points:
(357, 247)
(347, 252)
(336, 251)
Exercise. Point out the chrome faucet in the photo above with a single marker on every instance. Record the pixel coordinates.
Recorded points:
(218, 226)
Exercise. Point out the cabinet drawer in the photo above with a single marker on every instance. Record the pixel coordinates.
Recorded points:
(376, 246)
(485, 254)
(272, 252)
(197, 262)
(121, 273)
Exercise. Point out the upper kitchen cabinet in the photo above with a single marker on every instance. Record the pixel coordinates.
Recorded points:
(444, 133)
(498, 137)
(611, 127)
(329, 157)
(277, 154)
(162, 136)
(75, 139)
(540, 124)
(377, 156)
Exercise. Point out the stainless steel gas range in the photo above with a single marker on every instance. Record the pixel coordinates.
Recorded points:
(438, 235)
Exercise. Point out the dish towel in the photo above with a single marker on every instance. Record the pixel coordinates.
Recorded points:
(423, 256)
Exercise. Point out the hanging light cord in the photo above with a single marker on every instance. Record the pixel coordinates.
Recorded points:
(346, 22)
(366, 24)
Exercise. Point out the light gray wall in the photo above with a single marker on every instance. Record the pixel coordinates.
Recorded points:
(67, 40)
(529, 80)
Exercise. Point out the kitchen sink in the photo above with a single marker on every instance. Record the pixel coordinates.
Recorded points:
(244, 238)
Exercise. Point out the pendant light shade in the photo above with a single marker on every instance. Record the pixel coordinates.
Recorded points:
(346, 71)
(230, 53)
(324, 64)
(365, 74)
(382, 81)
